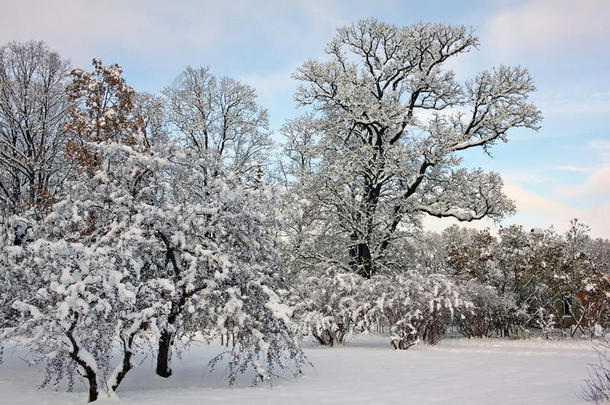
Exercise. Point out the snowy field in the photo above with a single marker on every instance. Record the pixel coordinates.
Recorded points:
(365, 371)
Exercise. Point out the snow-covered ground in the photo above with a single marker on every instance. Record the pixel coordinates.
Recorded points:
(365, 371)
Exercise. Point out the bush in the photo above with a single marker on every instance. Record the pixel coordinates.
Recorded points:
(487, 313)
(418, 306)
(329, 305)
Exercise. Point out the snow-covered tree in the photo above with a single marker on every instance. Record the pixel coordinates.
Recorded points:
(104, 112)
(154, 123)
(219, 239)
(489, 311)
(583, 283)
(86, 261)
(394, 124)
(33, 108)
(76, 302)
(220, 121)
(487, 277)
(145, 247)
(524, 279)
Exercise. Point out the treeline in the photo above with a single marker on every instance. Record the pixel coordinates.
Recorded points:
(518, 283)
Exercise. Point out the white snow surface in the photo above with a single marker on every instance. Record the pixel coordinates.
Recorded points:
(364, 371)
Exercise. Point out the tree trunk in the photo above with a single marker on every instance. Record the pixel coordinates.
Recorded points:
(126, 366)
(164, 354)
(92, 387)
(124, 370)
(365, 261)
(89, 373)
(362, 262)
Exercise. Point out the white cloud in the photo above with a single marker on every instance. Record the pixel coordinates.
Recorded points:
(550, 26)
(597, 185)
(82, 30)
(574, 169)
(161, 30)
(574, 103)
(601, 147)
(535, 210)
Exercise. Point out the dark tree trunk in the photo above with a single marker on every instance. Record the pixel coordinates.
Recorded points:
(124, 370)
(127, 355)
(92, 387)
(402, 344)
(166, 340)
(361, 260)
(164, 354)
(89, 373)
(365, 261)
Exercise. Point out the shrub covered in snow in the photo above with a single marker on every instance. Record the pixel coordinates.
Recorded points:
(487, 313)
(330, 305)
(417, 306)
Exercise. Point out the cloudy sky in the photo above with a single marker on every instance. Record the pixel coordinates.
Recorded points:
(558, 173)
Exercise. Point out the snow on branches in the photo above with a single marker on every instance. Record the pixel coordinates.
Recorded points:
(382, 164)
(144, 246)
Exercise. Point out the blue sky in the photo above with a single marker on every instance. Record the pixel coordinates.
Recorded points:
(561, 172)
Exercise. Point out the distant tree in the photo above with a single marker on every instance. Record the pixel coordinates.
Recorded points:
(299, 151)
(494, 275)
(153, 118)
(489, 312)
(471, 254)
(33, 109)
(583, 282)
(524, 279)
(220, 121)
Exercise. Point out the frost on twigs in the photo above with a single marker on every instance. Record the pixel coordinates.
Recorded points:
(378, 150)
(149, 242)
(379, 165)
(33, 110)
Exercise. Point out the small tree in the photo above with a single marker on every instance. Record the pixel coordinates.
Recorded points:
(91, 254)
(330, 306)
(218, 240)
(84, 302)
